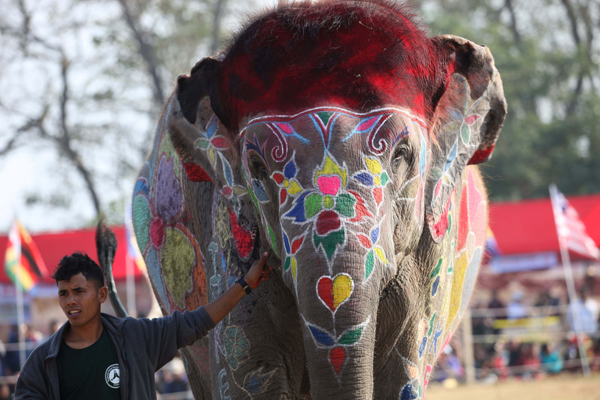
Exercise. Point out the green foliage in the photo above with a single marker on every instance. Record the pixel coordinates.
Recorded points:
(551, 132)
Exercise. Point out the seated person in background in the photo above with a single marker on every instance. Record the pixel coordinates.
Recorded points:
(551, 359)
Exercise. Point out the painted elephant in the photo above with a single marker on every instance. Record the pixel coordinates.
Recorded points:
(338, 137)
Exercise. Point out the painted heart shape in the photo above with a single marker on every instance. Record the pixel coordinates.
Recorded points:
(329, 185)
(335, 292)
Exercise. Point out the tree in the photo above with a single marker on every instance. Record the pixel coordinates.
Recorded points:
(98, 73)
(545, 52)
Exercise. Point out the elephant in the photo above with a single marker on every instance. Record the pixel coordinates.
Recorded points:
(343, 140)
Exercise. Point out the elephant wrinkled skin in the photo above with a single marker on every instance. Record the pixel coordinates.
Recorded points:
(338, 137)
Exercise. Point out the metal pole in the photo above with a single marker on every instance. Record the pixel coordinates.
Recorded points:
(564, 254)
(130, 285)
(20, 315)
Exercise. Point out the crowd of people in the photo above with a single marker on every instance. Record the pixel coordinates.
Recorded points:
(527, 340)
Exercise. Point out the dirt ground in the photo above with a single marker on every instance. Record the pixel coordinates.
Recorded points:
(564, 387)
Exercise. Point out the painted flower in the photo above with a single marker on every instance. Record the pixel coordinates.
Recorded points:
(287, 181)
(337, 345)
(291, 248)
(159, 234)
(375, 251)
(329, 206)
(374, 177)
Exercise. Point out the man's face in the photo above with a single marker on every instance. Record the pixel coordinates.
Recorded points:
(80, 299)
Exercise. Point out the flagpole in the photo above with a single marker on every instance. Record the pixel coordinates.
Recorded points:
(566, 260)
(20, 318)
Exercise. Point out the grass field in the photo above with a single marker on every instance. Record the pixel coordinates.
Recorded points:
(564, 387)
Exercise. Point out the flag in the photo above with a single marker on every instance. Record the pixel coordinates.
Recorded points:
(571, 231)
(133, 251)
(491, 245)
(22, 251)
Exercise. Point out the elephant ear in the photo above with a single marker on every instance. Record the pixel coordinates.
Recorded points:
(199, 137)
(470, 115)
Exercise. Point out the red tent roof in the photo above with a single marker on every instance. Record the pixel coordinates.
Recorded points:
(54, 246)
(519, 227)
(528, 226)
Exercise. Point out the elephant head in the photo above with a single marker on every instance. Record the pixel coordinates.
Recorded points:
(342, 133)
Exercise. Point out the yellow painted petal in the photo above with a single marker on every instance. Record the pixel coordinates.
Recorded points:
(381, 254)
(460, 267)
(342, 289)
(294, 188)
(294, 267)
(373, 165)
(331, 168)
(211, 155)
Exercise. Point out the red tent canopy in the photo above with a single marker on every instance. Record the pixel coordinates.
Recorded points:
(522, 227)
(528, 226)
(54, 246)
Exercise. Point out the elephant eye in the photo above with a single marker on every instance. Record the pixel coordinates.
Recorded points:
(400, 154)
(259, 167)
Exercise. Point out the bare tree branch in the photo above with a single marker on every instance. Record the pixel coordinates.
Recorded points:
(64, 141)
(513, 21)
(146, 51)
(571, 13)
(219, 11)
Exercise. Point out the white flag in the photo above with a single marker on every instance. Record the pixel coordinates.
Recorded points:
(570, 229)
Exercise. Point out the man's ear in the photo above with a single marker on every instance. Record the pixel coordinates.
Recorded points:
(102, 294)
(471, 113)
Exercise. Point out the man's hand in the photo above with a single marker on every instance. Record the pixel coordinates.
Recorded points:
(258, 272)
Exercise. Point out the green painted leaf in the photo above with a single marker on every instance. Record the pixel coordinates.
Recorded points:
(202, 143)
(370, 262)
(436, 174)
(437, 268)
(384, 178)
(273, 243)
(329, 242)
(351, 337)
(465, 133)
(253, 197)
(287, 264)
(313, 204)
(431, 324)
(324, 116)
(344, 204)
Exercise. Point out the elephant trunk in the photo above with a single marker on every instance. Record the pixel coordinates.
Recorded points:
(338, 305)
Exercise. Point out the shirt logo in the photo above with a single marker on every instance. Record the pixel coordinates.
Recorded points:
(113, 376)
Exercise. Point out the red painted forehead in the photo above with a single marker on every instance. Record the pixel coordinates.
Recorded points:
(358, 56)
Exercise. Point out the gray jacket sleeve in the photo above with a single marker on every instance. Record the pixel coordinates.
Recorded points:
(164, 336)
(32, 382)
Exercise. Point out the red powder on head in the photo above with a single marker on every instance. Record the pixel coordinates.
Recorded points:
(358, 55)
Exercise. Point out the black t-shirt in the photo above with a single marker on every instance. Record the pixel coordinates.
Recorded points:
(89, 373)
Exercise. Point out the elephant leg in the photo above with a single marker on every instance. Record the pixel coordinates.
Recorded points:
(257, 350)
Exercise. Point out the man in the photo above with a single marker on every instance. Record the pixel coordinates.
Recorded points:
(98, 356)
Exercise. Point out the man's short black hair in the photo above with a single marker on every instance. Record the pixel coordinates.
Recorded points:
(77, 263)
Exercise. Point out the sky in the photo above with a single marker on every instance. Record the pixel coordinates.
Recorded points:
(38, 171)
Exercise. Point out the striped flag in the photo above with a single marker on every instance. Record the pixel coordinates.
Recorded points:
(22, 251)
(571, 231)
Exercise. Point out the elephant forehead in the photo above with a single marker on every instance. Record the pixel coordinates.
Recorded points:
(328, 130)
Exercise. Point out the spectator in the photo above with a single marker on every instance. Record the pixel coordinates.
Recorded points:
(515, 308)
(530, 361)
(495, 303)
(175, 380)
(500, 360)
(587, 310)
(551, 359)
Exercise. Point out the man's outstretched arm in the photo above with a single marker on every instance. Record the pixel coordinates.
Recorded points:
(222, 305)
